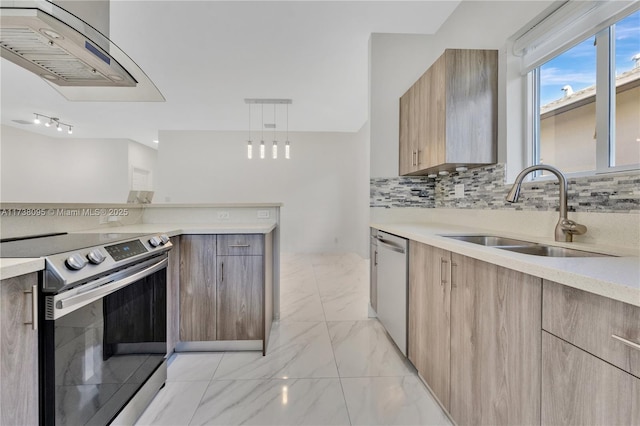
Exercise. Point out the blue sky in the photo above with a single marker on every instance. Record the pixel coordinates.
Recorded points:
(577, 66)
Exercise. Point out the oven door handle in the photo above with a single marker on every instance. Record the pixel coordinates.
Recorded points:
(67, 305)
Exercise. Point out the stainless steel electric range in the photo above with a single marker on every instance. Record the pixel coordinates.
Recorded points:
(102, 324)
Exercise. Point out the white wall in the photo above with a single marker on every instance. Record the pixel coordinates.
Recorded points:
(142, 157)
(396, 62)
(323, 187)
(37, 168)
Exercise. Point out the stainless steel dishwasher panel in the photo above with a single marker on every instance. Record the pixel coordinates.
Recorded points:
(393, 286)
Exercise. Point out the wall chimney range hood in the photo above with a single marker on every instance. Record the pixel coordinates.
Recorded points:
(71, 55)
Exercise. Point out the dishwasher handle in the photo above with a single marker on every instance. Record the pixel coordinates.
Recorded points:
(390, 245)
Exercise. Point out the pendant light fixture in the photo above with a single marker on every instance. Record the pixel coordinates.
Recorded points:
(274, 146)
(262, 136)
(249, 144)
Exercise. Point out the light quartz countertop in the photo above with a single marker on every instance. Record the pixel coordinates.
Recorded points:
(613, 277)
(12, 267)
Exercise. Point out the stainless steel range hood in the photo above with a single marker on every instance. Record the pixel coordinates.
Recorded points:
(70, 54)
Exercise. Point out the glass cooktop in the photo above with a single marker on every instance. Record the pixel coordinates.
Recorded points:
(46, 245)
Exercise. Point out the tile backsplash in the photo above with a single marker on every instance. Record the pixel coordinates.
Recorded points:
(484, 188)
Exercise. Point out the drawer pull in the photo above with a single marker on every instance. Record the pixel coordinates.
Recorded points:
(34, 307)
(239, 245)
(629, 343)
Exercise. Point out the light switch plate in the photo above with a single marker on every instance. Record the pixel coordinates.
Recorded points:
(263, 214)
(459, 191)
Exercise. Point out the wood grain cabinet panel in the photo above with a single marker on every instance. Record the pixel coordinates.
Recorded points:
(581, 389)
(448, 118)
(429, 316)
(590, 321)
(18, 352)
(240, 298)
(495, 344)
(198, 288)
(173, 295)
(241, 245)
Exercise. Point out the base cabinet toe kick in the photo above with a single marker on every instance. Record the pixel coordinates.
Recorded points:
(497, 346)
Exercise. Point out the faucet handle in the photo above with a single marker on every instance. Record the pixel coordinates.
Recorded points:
(570, 227)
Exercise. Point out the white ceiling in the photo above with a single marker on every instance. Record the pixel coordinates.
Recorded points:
(206, 57)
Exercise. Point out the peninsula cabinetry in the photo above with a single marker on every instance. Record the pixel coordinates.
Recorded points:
(226, 291)
(474, 336)
(448, 118)
(18, 351)
(590, 358)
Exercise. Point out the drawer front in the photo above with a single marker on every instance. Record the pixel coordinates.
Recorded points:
(603, 327)
(241, 245)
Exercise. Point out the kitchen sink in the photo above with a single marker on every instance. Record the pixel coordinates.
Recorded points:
(525, 247)
(552, 251)
(489, 240)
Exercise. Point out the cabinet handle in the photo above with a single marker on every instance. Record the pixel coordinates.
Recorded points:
(375, 258)
(239, 245)
(34, 307)
(629, 343)
(222, 273)
(413, 158)
(418, 158)
(443, 275)
(453, 265)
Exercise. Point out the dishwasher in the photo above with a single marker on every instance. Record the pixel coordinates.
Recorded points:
(392, 283)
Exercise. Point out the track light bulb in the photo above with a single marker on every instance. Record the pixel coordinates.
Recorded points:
(36, 120)
(48, 123)
(58, 128)
(70, 131)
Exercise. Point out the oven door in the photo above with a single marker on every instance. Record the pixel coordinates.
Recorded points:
(100, 343)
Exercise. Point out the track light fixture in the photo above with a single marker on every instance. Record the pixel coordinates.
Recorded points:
(263, 125)
(53, 121)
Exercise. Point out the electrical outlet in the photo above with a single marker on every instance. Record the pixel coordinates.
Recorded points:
(459, 191)
(223, 215)
(263, 214)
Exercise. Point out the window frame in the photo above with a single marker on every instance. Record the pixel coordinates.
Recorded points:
(605, 107)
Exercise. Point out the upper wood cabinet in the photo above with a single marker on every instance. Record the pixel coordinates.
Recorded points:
(448, 118)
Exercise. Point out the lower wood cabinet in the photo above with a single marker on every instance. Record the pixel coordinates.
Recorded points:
(239, 298)
(496, 318)
(18, 352)
(474, 336)
(581, 389)
(429, 317)
(197, 288)
(226, 288)
(173, 296)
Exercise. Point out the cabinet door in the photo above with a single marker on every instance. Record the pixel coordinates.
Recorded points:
(435, 137)
(173, 295)
(429, 303)
(580, 389)
(198, 288)
(406, 150)
(18, 352)
(495, 344)
(240, 298)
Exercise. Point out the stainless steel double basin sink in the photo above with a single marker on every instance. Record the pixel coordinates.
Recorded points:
(525, 247)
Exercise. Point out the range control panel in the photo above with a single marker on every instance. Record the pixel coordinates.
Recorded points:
(125, 250)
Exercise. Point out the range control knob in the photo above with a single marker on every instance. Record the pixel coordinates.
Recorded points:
(155, 241)
(76, 262)
(96, 257)
(164, 238)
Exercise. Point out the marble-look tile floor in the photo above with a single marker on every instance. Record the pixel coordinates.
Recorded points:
(327, 363)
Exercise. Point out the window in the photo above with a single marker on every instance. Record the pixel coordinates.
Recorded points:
(586, 101)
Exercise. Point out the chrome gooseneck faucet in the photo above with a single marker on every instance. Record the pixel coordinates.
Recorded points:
(565, 228)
